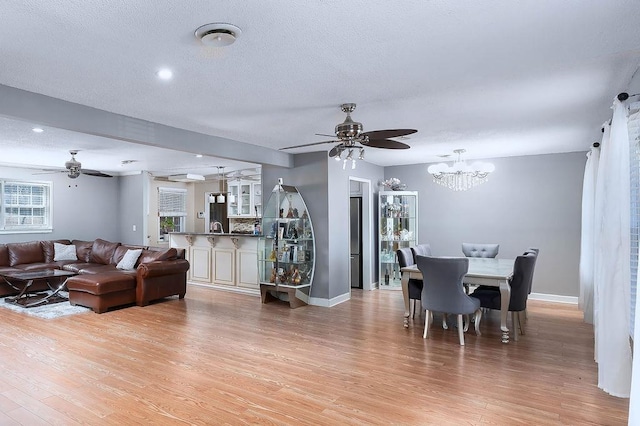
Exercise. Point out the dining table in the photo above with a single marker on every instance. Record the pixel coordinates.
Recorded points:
(482, 271)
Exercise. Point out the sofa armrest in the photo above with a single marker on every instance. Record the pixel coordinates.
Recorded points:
(162, 267)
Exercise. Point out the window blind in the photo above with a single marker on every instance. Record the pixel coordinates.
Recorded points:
(26, 205)
(634, 157)
(172, 202)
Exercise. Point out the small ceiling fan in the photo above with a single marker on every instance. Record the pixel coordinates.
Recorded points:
(74, 168)
(350, 136)
(245, 174)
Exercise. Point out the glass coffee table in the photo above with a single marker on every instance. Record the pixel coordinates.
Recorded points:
(22, 282)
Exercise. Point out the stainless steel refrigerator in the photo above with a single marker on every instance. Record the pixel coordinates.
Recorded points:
(355, 227)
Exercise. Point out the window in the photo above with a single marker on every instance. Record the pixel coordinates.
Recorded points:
(172, 211)
(26, 206)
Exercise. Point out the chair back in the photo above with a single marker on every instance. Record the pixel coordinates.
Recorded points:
(534, 251)
(443, 290)
(405, 257)
(421, 250)
(521, 282)
(480, 250)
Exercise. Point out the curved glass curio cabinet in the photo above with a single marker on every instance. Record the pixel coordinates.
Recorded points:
(398, 219)
(286, 249)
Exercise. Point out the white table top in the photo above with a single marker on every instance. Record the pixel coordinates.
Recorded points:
(501, 269)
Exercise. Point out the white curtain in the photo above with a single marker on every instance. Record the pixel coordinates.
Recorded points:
(587, 254)
(612, 259)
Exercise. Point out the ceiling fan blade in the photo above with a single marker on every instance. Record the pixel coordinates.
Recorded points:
(308, 144)
(90, 172)
(50, 171)
(385, 143)
(322, 134)
(336, 150)
(386, 134)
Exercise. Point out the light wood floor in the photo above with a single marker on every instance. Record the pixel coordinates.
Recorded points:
(223, 358)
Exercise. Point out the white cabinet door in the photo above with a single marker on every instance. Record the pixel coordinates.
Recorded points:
(224, 266)
(200, 264)
(247, 268)
(256, 193)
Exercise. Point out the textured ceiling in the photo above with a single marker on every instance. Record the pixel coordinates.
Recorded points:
(498, 78)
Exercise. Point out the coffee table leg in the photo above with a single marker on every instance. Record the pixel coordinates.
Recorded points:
(14, 299)
(48, 298)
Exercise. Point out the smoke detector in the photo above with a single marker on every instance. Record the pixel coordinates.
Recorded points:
(218, 34)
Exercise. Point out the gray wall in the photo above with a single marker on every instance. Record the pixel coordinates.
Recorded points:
(85, 208)
(132, 205)
(532, 201)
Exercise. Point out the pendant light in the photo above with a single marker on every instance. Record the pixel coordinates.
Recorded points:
(221, 198)
(212, 198)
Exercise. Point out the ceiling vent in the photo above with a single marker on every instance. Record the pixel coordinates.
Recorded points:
(218, 34)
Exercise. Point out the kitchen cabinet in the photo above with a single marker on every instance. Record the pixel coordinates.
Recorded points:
(245, 200)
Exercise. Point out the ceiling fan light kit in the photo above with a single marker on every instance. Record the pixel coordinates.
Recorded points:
(460, 176)
(217, 34)
(350, 136)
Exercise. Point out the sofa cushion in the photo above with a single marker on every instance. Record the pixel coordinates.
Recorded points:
(4, 255)
(21, 253)
(153, 255)
(64, 252)
(49, 250)
(121, 250)
(83, 250)
(129, 260)
(36, 266)
(102, 251)
(101, 283)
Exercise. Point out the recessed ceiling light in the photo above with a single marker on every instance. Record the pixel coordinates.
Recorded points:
(38, 130)
(164, 74)
(198, 155)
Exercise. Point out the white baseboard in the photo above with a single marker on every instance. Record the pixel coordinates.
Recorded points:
(328, 303)
(249, 291)
(572, 300)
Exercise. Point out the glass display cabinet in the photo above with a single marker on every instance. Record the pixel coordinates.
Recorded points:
(398, 219)
(286, 249)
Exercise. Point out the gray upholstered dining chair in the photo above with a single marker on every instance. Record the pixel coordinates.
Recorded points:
(442, 291)
(405, 258)
(421, 250)
(480, 250)
(520, 284)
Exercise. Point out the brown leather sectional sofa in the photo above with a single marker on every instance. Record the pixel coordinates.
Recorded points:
(158, 273)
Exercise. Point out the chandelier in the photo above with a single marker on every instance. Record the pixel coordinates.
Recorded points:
(460, 176)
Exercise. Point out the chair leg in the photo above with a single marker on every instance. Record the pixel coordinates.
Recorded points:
(515, 325)
(466, 323)
(427, 322)
(460, 330)
(444, 321)
(412, 309)
(522, 320)
(415, 307)
(477, 318)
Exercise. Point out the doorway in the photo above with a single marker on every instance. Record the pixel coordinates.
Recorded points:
(361, 189)
(355, 240)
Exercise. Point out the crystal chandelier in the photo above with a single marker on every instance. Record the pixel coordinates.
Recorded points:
(460, 176)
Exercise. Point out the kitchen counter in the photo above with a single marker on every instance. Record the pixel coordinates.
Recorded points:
(217, 234)
(228, 261)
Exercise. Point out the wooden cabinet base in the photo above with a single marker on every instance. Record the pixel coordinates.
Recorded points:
(267, 296)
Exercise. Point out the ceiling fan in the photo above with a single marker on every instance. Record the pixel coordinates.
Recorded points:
(350, 136)
(245, 174)
(74, 168)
